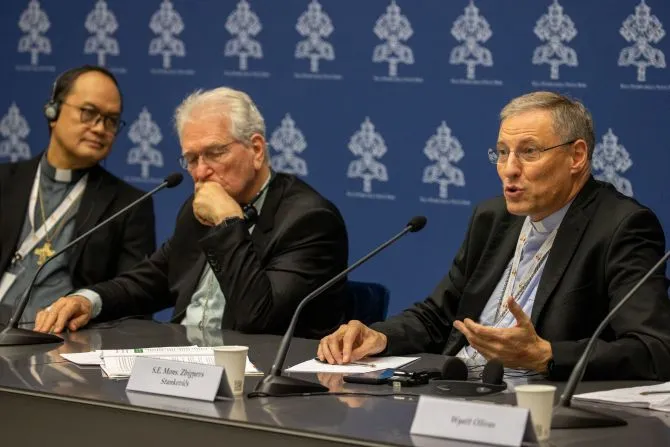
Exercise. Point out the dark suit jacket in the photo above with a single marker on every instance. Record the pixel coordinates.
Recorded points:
(299, 242)
(104, 254)
(605, 244)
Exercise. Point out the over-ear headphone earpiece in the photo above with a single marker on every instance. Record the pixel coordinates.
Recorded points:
(52, 108)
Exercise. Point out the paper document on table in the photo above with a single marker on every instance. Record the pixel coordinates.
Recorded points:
(653, 397)
(83, 358)
(361, 366)
(118, 363)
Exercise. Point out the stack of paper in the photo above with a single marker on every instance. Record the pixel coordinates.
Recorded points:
(118, 363)
(654, 397)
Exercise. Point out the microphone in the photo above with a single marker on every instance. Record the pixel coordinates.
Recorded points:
(274, 384)
(456, 384)
(566, 416)
(11, 335)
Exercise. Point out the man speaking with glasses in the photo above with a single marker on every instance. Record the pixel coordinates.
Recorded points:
(49, 200)
(541, 266)
(247, 247)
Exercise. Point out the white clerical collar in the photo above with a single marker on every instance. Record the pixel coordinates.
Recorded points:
(58, 174)
(552, 221)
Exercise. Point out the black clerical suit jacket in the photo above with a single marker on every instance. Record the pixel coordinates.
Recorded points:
(605, 243)
(299, 242)
(113, 249)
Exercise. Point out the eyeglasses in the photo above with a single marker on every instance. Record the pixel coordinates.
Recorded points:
(189, 160)
(111, 123)
(526, 154)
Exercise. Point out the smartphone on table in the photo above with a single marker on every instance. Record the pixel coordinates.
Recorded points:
(370, 378)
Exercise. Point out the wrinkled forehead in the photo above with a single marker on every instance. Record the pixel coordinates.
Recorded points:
(531, 125)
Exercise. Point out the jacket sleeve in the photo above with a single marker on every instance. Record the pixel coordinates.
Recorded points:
(261, 295)
(140, 291)
(639, 344)
(426, 325)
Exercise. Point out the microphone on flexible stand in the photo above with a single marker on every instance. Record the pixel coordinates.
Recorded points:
(567, 416)
(274, 384)
(12, 335)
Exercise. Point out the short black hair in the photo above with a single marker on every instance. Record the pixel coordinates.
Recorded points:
(64, 83)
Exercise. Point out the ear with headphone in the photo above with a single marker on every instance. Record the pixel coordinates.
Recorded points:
(453, 381)
(52, 108)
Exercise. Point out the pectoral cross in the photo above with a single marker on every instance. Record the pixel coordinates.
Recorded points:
(43, 253)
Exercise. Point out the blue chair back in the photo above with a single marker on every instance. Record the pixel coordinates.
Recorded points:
(367, 301)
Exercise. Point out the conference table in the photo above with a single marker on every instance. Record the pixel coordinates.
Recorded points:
(46, 400)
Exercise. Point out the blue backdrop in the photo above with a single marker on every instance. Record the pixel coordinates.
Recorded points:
(386, 107)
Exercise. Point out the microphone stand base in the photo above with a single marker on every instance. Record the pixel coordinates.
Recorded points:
(571, 417)
(282, 386)
(18, 337)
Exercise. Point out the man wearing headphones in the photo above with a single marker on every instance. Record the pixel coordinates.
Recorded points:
(49, 200)
(247, 247)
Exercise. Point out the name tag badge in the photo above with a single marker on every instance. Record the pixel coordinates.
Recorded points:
(472, 421)
(179, 379)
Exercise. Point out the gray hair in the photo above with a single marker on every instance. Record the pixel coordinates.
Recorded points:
(245, 119)
(571, 120)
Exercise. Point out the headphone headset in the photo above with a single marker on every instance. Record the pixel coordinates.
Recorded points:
(249, 210)
(52, 108)
(454, 377)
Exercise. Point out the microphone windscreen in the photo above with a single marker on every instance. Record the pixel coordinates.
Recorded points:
(454, 369)
(173, 179)
(493, 372)
(417, 223)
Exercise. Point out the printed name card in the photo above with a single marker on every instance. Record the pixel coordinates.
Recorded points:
(472, 421)
(180, 379)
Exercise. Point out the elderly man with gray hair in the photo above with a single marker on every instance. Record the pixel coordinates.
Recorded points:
(247, 246)
(541, 266)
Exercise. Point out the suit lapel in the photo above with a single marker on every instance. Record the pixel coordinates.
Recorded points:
(567, 240)
(98, 194)
(484, 279)
(266, 218)
(491, 267)
(15, 206)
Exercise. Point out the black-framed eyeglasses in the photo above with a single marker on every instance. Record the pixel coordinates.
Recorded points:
(91, 115)
(526, 154)
(189, 160)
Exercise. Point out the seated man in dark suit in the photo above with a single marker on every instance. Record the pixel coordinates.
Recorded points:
(53, 198)
(247, 246)
(541, 266)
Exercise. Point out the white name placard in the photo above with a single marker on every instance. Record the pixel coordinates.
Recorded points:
(180, 379)
(472, 421)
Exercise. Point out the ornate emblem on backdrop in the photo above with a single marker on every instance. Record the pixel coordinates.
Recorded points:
(394, 29)
(609, 160)
(316, 26)
(288, 140)
(145, 134)
(369, 145)
(642, 29)
(101, 23)
(555, 28)
(445, 150)
(472, 29)
(34, 23)
(244, 25)
(14, 129)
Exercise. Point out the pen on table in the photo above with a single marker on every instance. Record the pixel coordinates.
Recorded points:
(646, 393)
(371, 365)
